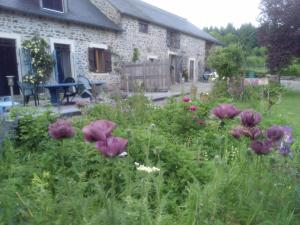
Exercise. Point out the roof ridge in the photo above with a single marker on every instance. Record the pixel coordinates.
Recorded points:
(160, 9)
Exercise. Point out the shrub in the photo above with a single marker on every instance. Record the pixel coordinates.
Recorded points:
(293, 69)
(227, 61)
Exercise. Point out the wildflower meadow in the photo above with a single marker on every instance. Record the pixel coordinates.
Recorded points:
(207, 162)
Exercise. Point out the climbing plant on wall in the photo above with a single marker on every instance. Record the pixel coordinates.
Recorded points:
(41, 60)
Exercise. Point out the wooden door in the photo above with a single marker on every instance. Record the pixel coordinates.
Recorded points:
(8, 65)
(63, 62)
(192, 70)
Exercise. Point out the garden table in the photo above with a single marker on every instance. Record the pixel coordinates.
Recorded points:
(54, 90)
(56, 87)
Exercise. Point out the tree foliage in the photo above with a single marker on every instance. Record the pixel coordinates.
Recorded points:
(246, 37)
(228, 61)
(280, 31)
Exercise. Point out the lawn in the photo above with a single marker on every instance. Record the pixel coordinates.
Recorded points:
(289, 109)
(184, 166)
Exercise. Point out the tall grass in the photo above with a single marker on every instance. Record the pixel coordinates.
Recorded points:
(206, 177)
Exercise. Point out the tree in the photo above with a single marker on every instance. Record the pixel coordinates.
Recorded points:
(228, 61)
(247, 36)
(280, 31)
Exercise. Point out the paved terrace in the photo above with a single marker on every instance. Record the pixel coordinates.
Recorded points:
(157, 97)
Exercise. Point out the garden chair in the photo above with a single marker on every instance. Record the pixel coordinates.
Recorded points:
(69, 92)
(29, 90)
(85, 88)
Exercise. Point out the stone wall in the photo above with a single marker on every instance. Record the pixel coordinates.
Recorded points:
(154, 44)
(80, 37)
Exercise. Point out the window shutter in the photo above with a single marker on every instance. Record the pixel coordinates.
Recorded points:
(107, 60)
(168, 38)
(92, 61)
(177, 40)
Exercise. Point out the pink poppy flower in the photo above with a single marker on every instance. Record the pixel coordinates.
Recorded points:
(186, 99)
(61, 129)
(226, 111)
(98, 130)
(193, 108)
(112, 146)
(201, 122)
(252, 133)
(237, 132)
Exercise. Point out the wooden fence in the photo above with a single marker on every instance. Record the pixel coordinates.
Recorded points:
(148, 76)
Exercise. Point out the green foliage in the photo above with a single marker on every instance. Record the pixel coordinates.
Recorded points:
(136, 55)
(227, 61)
(246, 37)
(32, 130)
(41, 60)
(206, 176)
(293, 69)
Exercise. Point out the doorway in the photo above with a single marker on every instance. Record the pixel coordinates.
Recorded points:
(63, 62)
(172, 68)
(191, 69)
(8, 65)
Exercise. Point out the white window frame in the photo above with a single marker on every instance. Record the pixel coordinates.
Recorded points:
(189, 63)
(100, 46)
(72, 50)
(18, 46)
(172, 53)
(53, 10)
(150, 57)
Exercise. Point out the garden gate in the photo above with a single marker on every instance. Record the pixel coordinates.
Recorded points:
(149, 76)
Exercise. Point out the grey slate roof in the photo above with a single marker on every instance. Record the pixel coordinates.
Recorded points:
(147, 12)
(79, 11)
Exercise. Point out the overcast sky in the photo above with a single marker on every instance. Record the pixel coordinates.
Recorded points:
(218, 13)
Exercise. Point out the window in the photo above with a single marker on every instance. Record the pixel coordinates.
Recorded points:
(56, 5)
(143, 27)
(173, 39)
(152, 58)
(100, 60)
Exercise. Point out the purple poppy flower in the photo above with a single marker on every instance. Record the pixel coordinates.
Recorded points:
(112, 146)
(285, 149)
(237, 132)
(251, 132)
(288, 135)
(61, 129)
(250, 118)
(98, 130)
(261, 147)
(226, 111)
(186, 99)
(275, 133)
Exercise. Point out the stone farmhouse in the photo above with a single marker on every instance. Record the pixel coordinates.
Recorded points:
(92, 37)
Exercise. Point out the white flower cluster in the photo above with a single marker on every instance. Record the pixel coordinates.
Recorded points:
(204, 93)
(146, 168)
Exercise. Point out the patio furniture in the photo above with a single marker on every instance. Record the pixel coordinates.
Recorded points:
(69, 91)
(29, 90)
(85, 90)
(54, 90)
(5, 104)
(88, 87)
